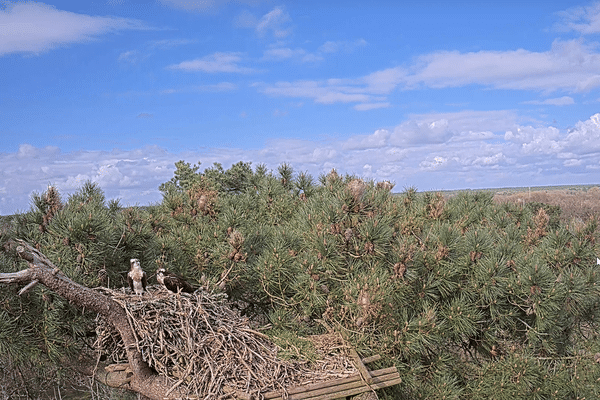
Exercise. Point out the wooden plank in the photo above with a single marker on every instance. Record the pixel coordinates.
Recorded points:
(350, 391)
(315, 386)
(380, 377)
(356, 391)
(364, 372)
(334, 382)
(335, 391)
(370, 359)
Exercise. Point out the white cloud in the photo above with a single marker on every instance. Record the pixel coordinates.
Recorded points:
(434, 163)
(164, 44)
(569, 65)
(245, 19)
(214, 63)
(488, 160)
(371, 106)
(282, 53)
(341, 45)
(376, 140)
(194, 5)
(203, 6)
(559, 101)
(326, 92)
(131, 56)
(385, 81)
(215, 88)
(460, 126)
(582, 19)
(429, 151)
(28, 27)
(275, 21)
(585, 137)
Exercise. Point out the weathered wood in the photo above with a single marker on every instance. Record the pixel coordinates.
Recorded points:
(333, 389)
(370, 359)
(364, 372)
(342, 392)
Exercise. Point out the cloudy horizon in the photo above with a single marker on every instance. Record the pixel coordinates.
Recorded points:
(432, 97)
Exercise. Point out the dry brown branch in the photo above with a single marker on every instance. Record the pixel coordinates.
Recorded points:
(41, 269)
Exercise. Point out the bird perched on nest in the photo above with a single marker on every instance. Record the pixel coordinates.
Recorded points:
(173, 282)
(136, 277)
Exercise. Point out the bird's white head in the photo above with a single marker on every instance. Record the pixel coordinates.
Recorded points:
(134, 263)
(160, 275)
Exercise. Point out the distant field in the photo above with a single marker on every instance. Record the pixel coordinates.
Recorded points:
(575, 201)
(515, 190)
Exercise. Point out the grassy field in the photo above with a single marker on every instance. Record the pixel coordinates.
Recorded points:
(577, 202)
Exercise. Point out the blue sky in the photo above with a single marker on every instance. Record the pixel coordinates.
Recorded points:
(436, 95)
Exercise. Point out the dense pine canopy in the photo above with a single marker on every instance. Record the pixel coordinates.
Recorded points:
(468, 298)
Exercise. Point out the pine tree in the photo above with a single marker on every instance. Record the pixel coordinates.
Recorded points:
(468, 298)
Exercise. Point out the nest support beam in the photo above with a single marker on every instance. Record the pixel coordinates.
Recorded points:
(361, 382)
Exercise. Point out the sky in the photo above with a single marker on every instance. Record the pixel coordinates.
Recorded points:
(435, 95)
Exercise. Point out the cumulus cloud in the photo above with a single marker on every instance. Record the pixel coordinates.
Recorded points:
(214, 63)
(29, 27)
(121, 174)
(428, 151)
(376, 140)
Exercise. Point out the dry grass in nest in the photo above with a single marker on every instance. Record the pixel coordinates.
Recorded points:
(209, 350)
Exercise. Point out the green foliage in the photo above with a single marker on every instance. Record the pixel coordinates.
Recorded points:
(468, 298)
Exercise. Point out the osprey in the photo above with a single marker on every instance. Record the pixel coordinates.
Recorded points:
(136, 277)
(173, 282)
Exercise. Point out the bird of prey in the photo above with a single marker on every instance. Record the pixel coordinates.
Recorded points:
(136, 277)
(173, 282)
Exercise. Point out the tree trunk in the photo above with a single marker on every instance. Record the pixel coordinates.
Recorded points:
(140, 378)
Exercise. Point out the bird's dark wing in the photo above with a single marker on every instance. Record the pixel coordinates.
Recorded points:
(174, 283)
(186, 287)
(144, 280)
(130, 281)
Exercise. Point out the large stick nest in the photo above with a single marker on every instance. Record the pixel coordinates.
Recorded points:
(206, 348)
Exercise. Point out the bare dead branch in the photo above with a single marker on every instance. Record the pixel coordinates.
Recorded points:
(43, 271)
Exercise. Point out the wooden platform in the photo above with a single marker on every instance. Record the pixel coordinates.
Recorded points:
(361, 382)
